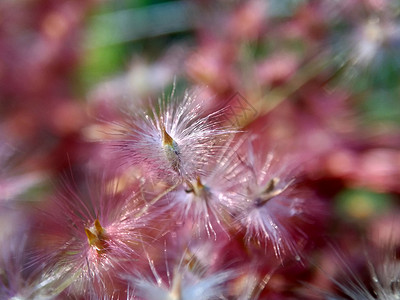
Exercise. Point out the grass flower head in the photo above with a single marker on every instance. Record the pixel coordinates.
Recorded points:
(90, 238)
(189, 280)
(271, 206)
(173, 140)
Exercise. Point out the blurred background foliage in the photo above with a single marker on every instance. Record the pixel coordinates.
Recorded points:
(118, 32)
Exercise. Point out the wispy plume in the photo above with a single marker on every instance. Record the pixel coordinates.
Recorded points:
(184, 280)
(271, 205)
(175, 140)
(90, 236)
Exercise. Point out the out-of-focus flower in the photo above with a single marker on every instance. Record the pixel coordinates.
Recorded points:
(249, 285)
(14, 179)
(211, 65)
(372, 39)
(375, 168)
(141, 81)
(248, 20)
(13, 239)
(188, 280)
(383, 264)
(16, 282)
(366, 50)
(277, 69)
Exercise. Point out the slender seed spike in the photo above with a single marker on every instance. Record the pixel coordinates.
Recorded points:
(171, 149)
(199, 183)
(96, 237)
(176, 290)
(269, 192)
(167, 140)
(91, 236)
(99, 229)
(271, 185)
(198, 187)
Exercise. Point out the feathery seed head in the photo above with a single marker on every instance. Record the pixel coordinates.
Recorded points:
(269, 204)
(15, 281)
(91, 239)
(209, 201)
(187, 281)
(379, 277)
(173, 141)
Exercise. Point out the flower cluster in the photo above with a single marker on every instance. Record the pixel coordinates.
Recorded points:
(275, 142)
(187, 175)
